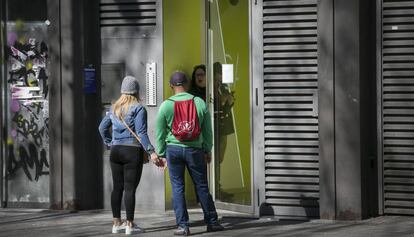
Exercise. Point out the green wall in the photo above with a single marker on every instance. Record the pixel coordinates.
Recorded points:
(182, 51)
(182, 37)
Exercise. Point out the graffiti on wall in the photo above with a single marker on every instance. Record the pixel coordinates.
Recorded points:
(28, 142)
(27, 66)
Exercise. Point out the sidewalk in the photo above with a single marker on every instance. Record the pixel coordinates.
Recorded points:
(30, 222)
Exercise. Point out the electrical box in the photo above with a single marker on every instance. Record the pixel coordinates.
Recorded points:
(151, 83)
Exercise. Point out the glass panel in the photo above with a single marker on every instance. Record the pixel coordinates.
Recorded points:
(27, 112)
(231, 97)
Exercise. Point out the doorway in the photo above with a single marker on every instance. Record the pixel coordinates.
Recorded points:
(215, 42)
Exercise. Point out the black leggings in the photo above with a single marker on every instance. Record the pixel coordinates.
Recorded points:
(126, 166)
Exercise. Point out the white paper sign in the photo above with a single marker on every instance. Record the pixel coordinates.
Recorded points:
(227, 73)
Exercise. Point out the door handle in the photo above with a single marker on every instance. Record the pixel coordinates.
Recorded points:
(257, 96)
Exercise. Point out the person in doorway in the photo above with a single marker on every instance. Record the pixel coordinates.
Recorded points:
(128, 119)
(184, 137)
(223, 103)
(198, 82)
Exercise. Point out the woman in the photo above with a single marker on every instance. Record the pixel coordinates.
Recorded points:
(127, 153)
(198, 82)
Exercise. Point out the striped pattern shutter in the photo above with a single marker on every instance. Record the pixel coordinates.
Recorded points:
(398, 106)
(128, 13)
(290, 107)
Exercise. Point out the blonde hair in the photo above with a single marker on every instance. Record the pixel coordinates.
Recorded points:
(120, 107)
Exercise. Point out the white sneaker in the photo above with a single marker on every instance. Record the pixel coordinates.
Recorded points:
(116, 229)
(129, 230)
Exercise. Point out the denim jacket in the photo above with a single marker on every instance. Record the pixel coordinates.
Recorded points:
(136, 119)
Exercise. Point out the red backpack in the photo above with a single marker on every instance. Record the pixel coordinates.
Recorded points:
(185, 125)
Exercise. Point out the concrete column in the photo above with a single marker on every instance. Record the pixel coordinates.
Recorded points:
(347, 109)
(76, 172)
(327, 193)
(345, 75)
(55, 106)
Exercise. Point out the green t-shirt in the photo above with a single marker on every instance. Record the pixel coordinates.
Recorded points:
(165, 117)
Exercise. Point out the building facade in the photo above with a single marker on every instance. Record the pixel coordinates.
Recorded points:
(319, 119)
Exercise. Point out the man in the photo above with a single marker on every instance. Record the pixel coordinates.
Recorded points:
(188, 146)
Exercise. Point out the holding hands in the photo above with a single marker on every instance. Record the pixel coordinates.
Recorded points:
(161, 163)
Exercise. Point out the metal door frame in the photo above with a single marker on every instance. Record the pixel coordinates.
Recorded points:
(380, 155)
(3, 99)
(257, 108)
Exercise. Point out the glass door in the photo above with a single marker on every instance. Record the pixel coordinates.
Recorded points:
(229, 91)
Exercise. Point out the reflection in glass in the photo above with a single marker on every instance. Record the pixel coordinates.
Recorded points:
(223, 103)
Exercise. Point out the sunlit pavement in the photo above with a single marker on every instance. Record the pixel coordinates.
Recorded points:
(31, 222)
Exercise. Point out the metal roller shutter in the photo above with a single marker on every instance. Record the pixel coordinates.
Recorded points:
(128, 13)
(398, 106)
(290, 107)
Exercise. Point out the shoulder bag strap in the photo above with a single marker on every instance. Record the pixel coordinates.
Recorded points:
(133, 133)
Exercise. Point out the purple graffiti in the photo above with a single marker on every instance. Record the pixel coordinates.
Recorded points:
(13, 133)
(11, 38)
(15, 106)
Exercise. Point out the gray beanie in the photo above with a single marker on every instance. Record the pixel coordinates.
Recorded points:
(129, 85)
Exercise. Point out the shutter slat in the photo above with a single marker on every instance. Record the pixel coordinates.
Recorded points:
(267, 4)
(313, 173)
(293, 202)
(273, 164)
(292, 180)
(307, 195)
(290, 25)
(291, 135)
(293, 158)
(397, 4)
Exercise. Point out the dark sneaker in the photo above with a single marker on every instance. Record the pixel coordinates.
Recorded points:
(185, 231)
(214, 227)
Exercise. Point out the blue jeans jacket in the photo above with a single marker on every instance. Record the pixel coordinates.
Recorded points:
(136, 119)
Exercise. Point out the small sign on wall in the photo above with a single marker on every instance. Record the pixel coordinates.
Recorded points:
(151, 84)
(227, 73)
(89, 83)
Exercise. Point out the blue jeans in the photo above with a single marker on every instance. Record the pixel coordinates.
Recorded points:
(193, 158)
